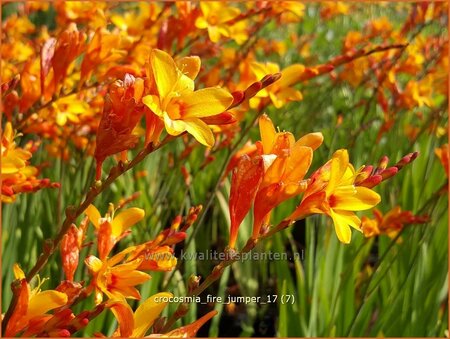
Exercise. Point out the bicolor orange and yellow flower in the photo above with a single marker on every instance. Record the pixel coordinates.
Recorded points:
(112, 228)
(174, 100)
(333, 192)
(216, 16)
(33, 305)
(114, 278)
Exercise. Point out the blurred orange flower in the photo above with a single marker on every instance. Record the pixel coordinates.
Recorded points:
(391, 223)
(443, 154)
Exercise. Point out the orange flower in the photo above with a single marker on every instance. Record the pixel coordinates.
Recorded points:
(274, 175)
(443, 154)
(30, 85)
(121, 113)
(115, 279)
(391, 223)
(286, 162)
(190, 330)
(68, 47)
(102, 49)
(333, 192)
(245, 181)
(158, 253)
(90, 13)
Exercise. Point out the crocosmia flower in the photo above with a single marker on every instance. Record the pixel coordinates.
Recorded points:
(332, 192)
(174, 100)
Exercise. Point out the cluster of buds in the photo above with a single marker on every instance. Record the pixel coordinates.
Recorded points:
(370, 177)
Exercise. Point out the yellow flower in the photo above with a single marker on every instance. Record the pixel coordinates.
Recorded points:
(134, 22)
(174, 100)
(32, 306)
(16, 175)
(331, 9)
(13, 158)
(215, 16)
(333, 192)
(69, 108)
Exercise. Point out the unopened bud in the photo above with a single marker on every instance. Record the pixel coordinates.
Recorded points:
(193, 282)
(382, 164)
(97, 184)
(252, 90)
(389, 172)
(269, 79)
(176, 223)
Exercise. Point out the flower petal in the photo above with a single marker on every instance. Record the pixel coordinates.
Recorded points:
(45, 301)
(124, 315)
(165, 71)
(93, 215)
(214, 33)
(152, 102)
(190, 330)
(298, 163)
(147, 312)
(18, 273)
(341, 227)
(290, 75)
(268, 132)
(338, 166)
(364, 198)
(125, 219)
(200, 131)
(313, 140)
(174, 127)
(205, 102)
(189, 66)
